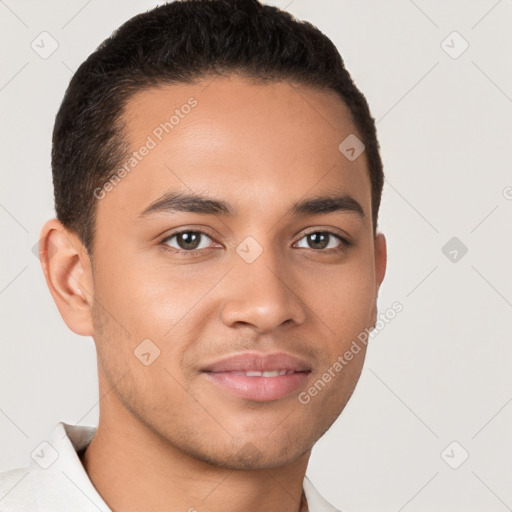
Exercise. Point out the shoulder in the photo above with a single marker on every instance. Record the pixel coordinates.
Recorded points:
(17, 490)
(55, 479)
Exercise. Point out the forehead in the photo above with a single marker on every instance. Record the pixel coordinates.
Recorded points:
(247, 142)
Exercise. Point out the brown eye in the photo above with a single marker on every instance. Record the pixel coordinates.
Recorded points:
(322, 240)
(187, 240)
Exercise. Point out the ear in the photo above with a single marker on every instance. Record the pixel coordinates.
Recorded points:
(380, 268)
(67, 270)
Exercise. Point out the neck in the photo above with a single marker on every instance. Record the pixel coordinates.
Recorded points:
(134, 469)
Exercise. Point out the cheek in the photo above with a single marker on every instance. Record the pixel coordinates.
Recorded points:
(342, 302)
(344, 296)
(139, 293)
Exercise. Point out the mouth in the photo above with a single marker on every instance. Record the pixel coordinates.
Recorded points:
(258, 386)
(267, 373)
(258, 377)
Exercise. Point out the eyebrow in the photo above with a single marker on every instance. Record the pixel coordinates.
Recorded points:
(172, 202)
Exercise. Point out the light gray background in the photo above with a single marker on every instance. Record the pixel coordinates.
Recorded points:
(441, 370)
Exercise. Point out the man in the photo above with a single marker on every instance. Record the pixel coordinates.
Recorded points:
(217, 184)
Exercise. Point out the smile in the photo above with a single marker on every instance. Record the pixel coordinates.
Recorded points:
(262, 386)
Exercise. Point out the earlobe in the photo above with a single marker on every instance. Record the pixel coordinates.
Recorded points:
(67, 270)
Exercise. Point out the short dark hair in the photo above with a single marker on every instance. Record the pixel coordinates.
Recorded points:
(182, 42)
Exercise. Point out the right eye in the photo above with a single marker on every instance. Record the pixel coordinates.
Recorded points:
(186, 241)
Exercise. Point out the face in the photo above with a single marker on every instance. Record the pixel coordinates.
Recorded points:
(187, 284)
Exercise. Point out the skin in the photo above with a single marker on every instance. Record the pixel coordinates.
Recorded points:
(260, 148)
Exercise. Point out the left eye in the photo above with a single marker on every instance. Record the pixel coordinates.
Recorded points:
(322, 240)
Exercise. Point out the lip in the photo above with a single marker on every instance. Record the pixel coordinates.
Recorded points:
(258, 361)
(258, 388)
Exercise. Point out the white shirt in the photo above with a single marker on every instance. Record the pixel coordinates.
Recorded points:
(56, 480)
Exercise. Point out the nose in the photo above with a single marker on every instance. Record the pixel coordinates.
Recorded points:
(262, 294)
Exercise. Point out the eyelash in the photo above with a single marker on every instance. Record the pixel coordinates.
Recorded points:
(345, 244)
